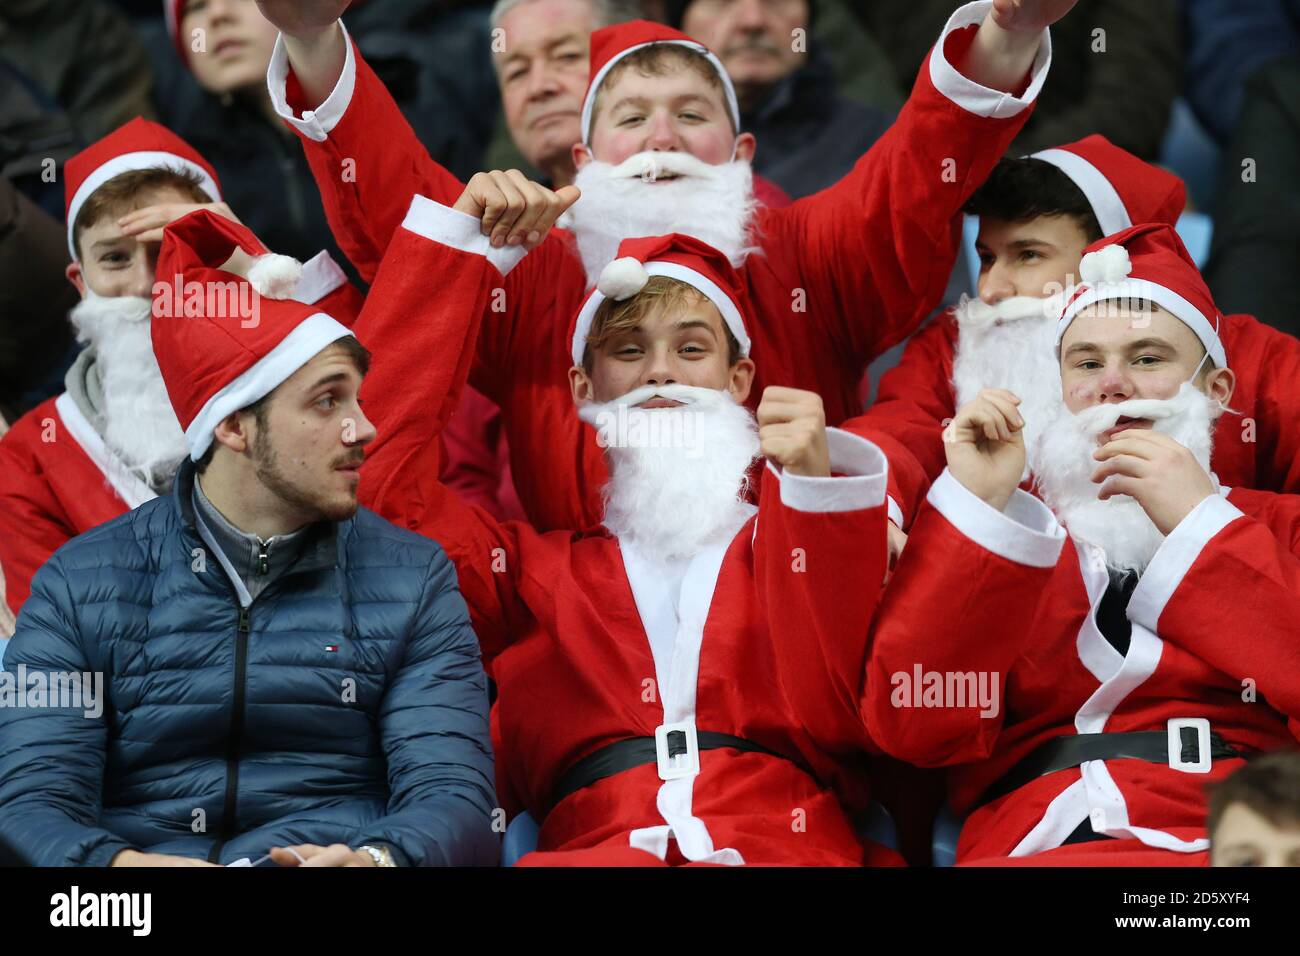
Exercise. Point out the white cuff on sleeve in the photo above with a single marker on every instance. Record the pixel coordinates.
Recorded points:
(1175, 557)
(314, 124)
(971, 96)
(451, 227)
(1026, 532)
(895, 512)
(864, 470)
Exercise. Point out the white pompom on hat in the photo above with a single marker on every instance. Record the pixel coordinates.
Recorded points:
(275, 276)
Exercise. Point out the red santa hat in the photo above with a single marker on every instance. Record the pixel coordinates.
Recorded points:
(1121, 188)
(1147, 263)
(214, 363)
(611, 44)
(139, 144)
(679, 257)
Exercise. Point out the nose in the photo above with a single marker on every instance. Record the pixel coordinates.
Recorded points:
(363, 431)
(1114, 385)
(750, 14)
(542, 82)
(995, 285)
(219, 10)
(659, 370)
(661, 134)
(141, 278)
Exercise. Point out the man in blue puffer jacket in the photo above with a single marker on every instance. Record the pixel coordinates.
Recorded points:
(252, 664)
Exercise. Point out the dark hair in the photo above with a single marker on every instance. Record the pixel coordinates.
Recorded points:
(1269, 785)
(360, 356)
(1022, 189)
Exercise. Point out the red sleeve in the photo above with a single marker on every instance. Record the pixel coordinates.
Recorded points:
(422, 347)
(1272, 360)
(961, 602)
(913, 405)
(32, 523)
(1226, 587)
(819, 560)
(876, 249)
(365, 157)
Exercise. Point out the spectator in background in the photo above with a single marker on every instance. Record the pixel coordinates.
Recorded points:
(810, 135)
(228, 118)
(1225, 43)
(1120, 82)
(84, 55)
(1256, 244)
(1254, 817)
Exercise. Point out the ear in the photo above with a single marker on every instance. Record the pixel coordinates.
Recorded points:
(233, 432)
(746, 147)
(740, 379)
(581, 386)
(1220, 383)
(76, 277)
(581, 155)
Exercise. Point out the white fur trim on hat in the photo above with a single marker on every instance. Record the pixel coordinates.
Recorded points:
(730, 314)
(275, 276)
(130, 162)
(622, 278)
(1107, 264)
(1107, 206)
(293, 352)
(589, 104)
(1205, 327)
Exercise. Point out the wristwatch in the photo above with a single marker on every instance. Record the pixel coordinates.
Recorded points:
(380, 854)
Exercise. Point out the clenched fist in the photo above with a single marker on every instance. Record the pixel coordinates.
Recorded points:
(985, 446)
(792, 431)
(514, 211)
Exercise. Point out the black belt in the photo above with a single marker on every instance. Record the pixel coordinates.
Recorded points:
(1062, 753)
(637, 751)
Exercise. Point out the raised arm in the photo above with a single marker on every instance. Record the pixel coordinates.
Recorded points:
(876, 249)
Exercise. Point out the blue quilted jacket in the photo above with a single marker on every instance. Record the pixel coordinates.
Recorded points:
(346, 704)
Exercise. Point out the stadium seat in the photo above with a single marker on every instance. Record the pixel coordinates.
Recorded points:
(943, 843)
(521, 838)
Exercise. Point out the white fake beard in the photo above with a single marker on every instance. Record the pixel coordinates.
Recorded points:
(714, 204)
(1118, 525)
(677, 475)
(140, 426)
(1011, 345)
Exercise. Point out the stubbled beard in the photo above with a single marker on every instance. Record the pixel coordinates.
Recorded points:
(1011, 345)
(1117, 525)
(714, 204)
(677, 475)
(140, 426)
(307, 499)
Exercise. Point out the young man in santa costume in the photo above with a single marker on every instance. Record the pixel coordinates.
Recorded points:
(834, 279)
(639, 714)
(1130, 667)
(1037, 214)
(283, 673)
(111, 441)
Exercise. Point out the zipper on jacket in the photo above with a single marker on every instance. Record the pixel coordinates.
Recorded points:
(232, 745)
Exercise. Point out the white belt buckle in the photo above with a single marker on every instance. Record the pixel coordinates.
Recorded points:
(674, 762)
(1202, 727)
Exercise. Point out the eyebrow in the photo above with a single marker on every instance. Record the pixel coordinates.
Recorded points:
(113, 241)
(641, 102)
(1147, 343)
(1016, 244)
(328, 380)
(550, 47)
(686, 324)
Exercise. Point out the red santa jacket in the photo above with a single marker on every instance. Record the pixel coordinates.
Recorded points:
(1213, 636)
(1256, 445)
(559, 614)
(840, 276)
(58, 479)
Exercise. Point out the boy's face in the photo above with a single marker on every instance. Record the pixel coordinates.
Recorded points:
(237, 44)
(677, 111)
(1111, 354)
(686, 345)
(1032, 258)
(310, 454)
(1244, 838)
(115, 264)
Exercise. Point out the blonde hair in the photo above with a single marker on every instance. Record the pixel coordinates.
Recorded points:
(660, 294)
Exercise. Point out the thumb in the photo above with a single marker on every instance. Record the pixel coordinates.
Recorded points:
(568, 195)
